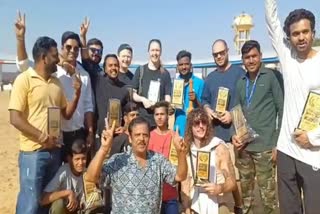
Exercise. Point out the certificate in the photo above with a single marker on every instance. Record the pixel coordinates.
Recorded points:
(54, 121)
(240, 124)
(173, 155)
(177, 94)
(114, 112)
(203, 168)
(310, 118)
(154, 91)
(222, 100)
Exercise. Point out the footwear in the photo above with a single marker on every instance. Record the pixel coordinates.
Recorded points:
(237, 210)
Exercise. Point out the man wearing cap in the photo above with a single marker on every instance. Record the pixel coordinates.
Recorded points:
(83, 117)
(125, 57)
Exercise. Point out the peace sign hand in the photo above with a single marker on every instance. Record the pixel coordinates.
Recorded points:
(84, 27)
(20, 26)
(107, 137)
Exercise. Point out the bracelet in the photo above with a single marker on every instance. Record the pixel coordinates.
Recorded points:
(43, 137)
(20, 39)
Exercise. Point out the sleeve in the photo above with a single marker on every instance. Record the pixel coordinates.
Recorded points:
(135, 80)
(108, 169)
(86, 65)
(168, 86)
(64, 101)
(314, 137)
(206, 95)
(277, 93)
(23, 65)
(168, 171)
(55, 183)
(275, 31)
(19, 93)
(88, 100)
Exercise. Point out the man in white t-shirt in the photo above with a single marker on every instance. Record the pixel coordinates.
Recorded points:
(65, 190)
(298, 156)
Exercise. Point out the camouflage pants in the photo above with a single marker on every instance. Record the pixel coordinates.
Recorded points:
(260, 165)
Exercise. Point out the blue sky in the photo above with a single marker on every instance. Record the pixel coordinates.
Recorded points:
(180, 24)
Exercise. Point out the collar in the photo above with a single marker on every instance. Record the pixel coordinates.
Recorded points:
(111, 81)
(34, 74)
(132, 159)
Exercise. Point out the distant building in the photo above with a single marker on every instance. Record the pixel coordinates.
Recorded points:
(242, 26)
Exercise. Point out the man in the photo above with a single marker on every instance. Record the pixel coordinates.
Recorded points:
(225, 75)
(33, 92)
(65, 191)
(121, 142)
(137, 176)
(208, 197)
(160, 141)
(189, 97)
(81, 123)
(298, 157)
(261, 98)
(91, 54)
(125, 56)
(151, 74)
(109, 87)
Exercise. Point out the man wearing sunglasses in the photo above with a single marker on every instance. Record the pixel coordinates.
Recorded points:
(225, 75)
(69, 72)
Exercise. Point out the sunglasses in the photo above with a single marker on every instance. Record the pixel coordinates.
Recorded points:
(197, 123)
(221, 53)
(74, 48)
(96, 51)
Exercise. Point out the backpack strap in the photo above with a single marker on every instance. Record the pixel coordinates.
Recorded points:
(140, 80)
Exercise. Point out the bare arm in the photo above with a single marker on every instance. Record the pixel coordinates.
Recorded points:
(224, 164)
(83, 37)
(49, 197)
(182, 150)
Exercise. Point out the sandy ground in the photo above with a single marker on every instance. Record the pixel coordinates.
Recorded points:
(9, 147)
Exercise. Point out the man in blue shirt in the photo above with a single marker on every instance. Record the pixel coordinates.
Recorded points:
(225, 75)
(193, 97)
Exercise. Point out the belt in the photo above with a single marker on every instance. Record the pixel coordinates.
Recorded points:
(74, 133)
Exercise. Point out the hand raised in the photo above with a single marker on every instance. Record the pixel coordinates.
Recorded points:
(20, 26)
(84, 27)
(76, 84)
(179, 143)
(107, 136)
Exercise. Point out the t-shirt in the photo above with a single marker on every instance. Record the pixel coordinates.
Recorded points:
(120, 144)
(148, 75)
(214, 80)
(126, 78)
(64, 179)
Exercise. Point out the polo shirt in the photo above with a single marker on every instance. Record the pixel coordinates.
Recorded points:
(32, 95)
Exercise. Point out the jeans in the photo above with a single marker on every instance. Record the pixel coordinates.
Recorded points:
(170, 207)
(36, 169)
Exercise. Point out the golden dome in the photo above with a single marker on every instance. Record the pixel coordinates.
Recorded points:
(243, 19)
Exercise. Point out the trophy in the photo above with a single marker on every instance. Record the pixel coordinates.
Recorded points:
(173, 155)
(203, 168)
(310, 118)
(114, 112)
(177, 94)
(130, 91)
(54, 121)
(154, 91)
(92, 195)
(222, 100)
(240, 124)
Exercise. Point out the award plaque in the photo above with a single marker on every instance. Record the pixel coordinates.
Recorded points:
(130, 91)
(240, 124)
(203, 168)
(154, 91)
(173, 155)
(114, 112)
(54, 121)
(310, 118)
(92, 194)
(177, 94)
(222, 100)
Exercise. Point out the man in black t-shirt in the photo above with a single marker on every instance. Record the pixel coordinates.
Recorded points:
(125, 56)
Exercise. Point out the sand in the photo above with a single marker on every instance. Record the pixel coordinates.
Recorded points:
(9, 148)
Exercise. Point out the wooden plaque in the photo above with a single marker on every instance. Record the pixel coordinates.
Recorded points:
(203, 168)
(239, 123)
(177, 94)
(310, 118)
(54, 121)
(222, 100)
(114, 112)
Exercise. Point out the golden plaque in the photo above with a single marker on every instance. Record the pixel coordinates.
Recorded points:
(173, 155)
(310, 118)
(92, 194)
(114, 112)
(203, 168)
(54, 121)
(240, 124)
(222, 100)
(177, 94)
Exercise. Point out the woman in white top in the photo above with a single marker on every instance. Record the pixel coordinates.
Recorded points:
(206, 198)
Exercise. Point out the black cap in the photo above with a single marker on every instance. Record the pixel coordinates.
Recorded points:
(123, 47)
(70, 35)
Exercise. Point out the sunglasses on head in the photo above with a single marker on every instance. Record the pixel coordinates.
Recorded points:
(69, 47)
(96, 51)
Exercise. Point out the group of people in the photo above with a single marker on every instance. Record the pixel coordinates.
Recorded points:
(143, 164)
